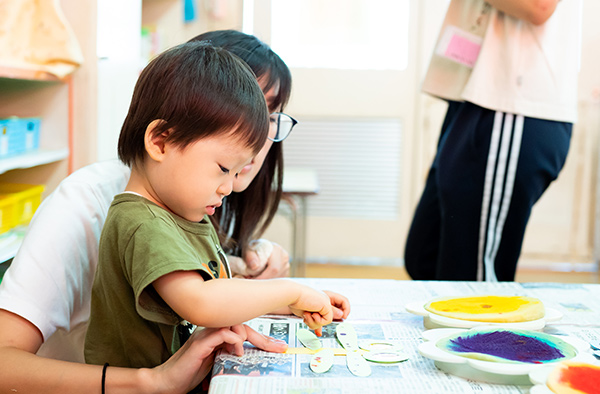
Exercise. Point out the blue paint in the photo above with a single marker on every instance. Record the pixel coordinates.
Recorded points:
(508, 345)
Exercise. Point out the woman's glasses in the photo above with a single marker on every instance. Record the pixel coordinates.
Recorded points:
(285, 124)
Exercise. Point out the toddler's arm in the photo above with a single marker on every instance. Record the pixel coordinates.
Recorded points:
(226, 302)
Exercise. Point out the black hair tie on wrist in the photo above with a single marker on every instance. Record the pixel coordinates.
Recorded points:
(104, 377)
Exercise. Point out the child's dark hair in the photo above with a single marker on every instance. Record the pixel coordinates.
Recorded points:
(247, 214)
(196, 90)
(259, 56)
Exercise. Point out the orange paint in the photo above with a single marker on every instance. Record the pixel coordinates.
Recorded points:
(582, 377)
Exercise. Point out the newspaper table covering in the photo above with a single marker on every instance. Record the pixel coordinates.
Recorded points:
(378, 314)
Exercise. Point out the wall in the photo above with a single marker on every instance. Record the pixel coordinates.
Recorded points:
(81, 15)
(357, 94)
(99, 112)
(561, 229)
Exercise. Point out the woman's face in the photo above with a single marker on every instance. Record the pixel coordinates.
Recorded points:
(249, 171)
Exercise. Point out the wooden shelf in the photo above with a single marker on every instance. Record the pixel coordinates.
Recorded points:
(10, 243)
(26, 74)
(33, 159)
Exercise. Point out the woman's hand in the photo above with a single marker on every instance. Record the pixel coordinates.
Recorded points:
(278, 263)
(194, 360)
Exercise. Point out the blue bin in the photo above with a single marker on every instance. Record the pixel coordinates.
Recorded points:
(19, 135)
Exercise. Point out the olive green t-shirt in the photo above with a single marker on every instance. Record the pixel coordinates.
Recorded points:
(130, 325)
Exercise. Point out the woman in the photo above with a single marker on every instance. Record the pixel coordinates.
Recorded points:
(45, 295)
(248, 211)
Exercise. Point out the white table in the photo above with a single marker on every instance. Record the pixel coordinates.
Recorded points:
(378, 311)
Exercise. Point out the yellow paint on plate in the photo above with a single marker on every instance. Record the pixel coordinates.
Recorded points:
(488, 308)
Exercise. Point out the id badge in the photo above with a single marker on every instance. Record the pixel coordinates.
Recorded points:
(459, 46)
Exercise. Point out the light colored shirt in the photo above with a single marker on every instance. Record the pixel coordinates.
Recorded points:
(521, 68)
(50, 279)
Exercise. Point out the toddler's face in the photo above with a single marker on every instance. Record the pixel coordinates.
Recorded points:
(191, 182)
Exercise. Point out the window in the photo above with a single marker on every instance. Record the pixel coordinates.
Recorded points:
(341, 34)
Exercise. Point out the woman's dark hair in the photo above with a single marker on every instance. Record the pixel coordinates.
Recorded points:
(196, 90)
(247, 214)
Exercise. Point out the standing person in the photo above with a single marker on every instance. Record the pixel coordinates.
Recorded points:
(508, 69)
(45, 294)
(246, 214)
(197, 118)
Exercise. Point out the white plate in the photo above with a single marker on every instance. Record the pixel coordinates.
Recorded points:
(487, 371)
(431, 320)
(539, 376)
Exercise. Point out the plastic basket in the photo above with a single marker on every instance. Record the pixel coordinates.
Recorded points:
(19, 135)
(18, 203)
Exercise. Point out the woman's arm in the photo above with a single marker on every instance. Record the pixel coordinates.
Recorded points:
(536, 12)
(194, 361)
(21, 371)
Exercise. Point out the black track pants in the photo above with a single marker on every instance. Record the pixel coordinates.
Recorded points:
(490, 169)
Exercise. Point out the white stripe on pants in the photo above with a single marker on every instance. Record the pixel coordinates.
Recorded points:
(502, 163)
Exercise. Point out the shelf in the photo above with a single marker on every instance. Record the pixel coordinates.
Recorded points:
(33, 159)
(10, 243)
(26, 74)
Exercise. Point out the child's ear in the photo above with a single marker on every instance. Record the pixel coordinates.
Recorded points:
(154, 141)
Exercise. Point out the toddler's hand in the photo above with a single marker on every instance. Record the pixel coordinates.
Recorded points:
(314, 307)
(341, 305)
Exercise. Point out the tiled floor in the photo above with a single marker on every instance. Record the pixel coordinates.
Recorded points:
(381, 272)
